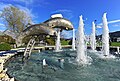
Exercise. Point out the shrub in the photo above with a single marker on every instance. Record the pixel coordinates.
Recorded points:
(64, 42)
(5, 47)
(50, 41)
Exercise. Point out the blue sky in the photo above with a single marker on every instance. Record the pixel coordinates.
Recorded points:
(41, 10)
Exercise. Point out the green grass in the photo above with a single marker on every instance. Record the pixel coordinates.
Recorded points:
(115, 44)
(112, 44)
(63, 42)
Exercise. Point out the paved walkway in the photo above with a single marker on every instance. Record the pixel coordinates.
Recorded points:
(3, 59)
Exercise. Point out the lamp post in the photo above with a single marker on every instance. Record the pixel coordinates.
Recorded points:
(95, 27)
(97, 38)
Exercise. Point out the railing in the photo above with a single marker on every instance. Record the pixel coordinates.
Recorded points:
(29, 48)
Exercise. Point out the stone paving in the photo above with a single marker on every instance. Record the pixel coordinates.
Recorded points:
(3, 74)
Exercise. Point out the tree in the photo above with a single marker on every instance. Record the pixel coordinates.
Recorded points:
(15, 19)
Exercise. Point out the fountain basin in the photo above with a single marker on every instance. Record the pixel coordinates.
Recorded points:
(99, 70)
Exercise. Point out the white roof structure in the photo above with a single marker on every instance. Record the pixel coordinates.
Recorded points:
(56, 15)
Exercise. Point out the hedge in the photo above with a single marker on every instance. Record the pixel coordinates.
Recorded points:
(5, 47)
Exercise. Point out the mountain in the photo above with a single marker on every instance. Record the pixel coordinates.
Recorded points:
(1, 33)
(114, 34)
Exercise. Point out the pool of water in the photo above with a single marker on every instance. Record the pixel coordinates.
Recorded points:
(99, 70)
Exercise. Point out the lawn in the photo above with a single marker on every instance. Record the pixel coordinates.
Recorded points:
(64, 42)
(115, 44)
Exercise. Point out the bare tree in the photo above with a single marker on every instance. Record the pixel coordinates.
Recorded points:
(15, 20)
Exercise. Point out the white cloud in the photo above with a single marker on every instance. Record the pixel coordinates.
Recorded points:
(32, 3)
(62, 10)
(24, 1)
(28, 11)
(110, 22)
(2, 6)
(2, 27)
(42, 3)
(66, 34)
(116, 25)
(114, 21)
(99, 26)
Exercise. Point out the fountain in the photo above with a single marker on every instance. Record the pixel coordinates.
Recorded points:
(61, 62)
(73, 40)
(93, 38)
(118, 51)
(82, 58)
(58, 44)
(44, 62)
(61, 66)
(105, 37)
